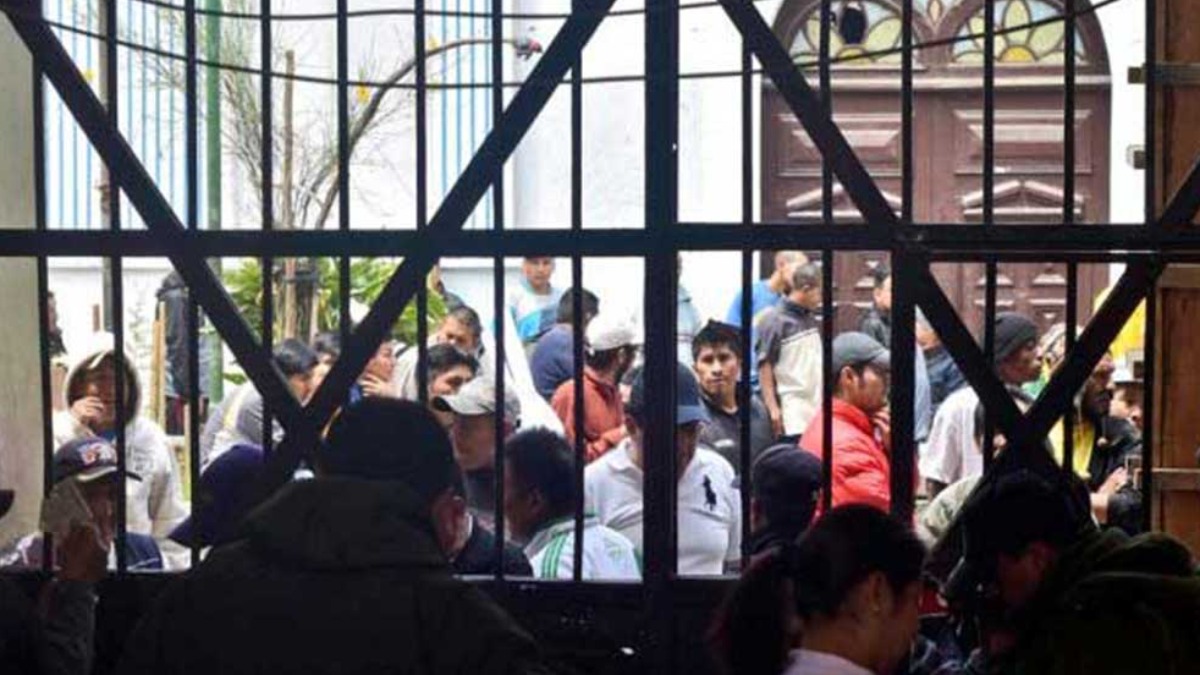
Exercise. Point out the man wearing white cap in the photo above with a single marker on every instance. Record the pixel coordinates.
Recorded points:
(612, 343)
(473, 435)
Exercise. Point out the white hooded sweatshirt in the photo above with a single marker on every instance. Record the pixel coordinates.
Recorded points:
(155, 504)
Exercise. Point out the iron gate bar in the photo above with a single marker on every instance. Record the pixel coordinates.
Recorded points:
(1079, 362)
(661, 44)
(1183, 205)
(903, 451)
(487, 163)
(806, 105)
(939, 242)
(422, 197)
(961, 344)
(162, 224)
(746, 347)
(43, 310)
(577, 336)
(1150, 365)
(497, 55)
(191, 220)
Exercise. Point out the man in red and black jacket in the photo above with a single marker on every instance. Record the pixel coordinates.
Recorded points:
(861, 427)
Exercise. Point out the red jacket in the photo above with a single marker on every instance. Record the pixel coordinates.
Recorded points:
(861, 468)
(603, 413)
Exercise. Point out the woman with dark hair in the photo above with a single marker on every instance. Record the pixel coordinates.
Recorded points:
(843, 600)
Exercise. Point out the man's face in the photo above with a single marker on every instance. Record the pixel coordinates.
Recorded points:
(904, 620)
(537, 272)
(717, 368)
(809, 296)
(474, 439)
(324, 364)
(101, 497)
(625, 361)
(867, 391)
(449, 382)
(1098, 390)
(883, 295)
(102, 384)
(302, 385)
(523, 508)
(1021, 366)
(1127, 405)
(786, 263)
(1019, 576)
(456, 334)
(383, 362)
(448, 515)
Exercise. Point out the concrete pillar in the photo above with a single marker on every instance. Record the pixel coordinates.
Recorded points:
(20, 377)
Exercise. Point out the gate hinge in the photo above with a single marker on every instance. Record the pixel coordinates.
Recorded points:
(1168, 74)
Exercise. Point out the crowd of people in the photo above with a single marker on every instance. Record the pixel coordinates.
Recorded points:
(405, 487)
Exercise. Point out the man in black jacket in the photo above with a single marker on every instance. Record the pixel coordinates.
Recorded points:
(877, 321)
(344, 573)
(1061, 597)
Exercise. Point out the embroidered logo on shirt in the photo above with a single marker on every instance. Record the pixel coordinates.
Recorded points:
(710, 496)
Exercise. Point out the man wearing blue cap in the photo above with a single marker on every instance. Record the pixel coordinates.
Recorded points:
(709, 507)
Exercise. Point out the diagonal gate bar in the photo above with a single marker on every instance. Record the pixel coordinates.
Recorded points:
(966, 353)
(458, 205)
(1059, 394)
(806, 104)
(1184, 204)
(131, 176)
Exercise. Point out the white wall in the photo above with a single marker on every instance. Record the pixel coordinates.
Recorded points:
(21, 438)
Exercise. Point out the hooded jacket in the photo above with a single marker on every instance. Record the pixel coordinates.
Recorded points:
(330, 575)
(154, 505)
(1113, 605)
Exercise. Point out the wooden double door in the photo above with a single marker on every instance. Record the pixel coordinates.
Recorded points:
(948, 165)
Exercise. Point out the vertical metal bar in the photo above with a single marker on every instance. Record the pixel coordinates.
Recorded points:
(343, 176)
(1069, 420)
(116, 277)
(661, 161)
(989, 351)
(192, 216)
(577, 301)
(829, 311)
(498, 275)
(745, 311)
(903, 432)
(828, 378)
(422, 160)
(43, 293)
(903, 413)
(1069, 116)
(267, 161)
(1149, 380)
(989, 203)
(1150, 133)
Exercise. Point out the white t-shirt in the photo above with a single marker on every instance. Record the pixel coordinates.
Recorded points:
(606, 554)
(808, 662)
(709, 507)
(951, 452)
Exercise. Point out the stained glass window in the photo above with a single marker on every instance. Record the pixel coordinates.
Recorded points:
(880, 39)
(1019, 42)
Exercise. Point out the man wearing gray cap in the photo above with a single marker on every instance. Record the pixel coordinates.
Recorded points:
(861, 371)
(473, 435)
(951, 452)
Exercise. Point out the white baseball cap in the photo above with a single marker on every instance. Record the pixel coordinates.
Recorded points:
(610, 331)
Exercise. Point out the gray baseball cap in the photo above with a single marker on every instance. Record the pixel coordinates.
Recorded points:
(478, 397)
(859, 349)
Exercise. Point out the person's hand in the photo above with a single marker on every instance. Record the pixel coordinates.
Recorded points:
(88, 410)
(1115, 481)
(882, 421)
(82, 555)
(373, 385)
(776, 417)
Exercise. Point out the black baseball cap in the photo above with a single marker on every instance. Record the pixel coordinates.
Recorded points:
(688, 405)
(786, 482)
(86, 460)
